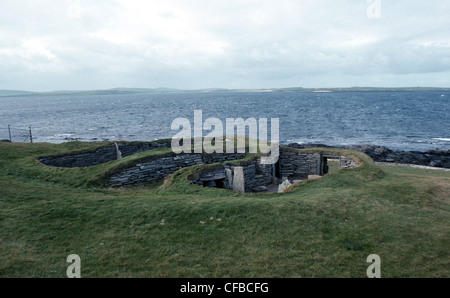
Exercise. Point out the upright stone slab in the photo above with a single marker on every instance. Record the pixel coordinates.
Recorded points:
(118, 153)
(238, 179)
(229, 174)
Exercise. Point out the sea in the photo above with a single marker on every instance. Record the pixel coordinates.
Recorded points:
(412, 120)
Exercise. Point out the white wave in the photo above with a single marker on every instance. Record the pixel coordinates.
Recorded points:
(442, 139)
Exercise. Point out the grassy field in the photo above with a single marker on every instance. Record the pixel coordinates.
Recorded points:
(322, 228)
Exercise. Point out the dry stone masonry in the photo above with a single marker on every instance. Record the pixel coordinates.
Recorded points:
(102, 154)
(240, 176)
(255, 177)
(244, 177)
(159, 167)
(297, 165)
(345, 162)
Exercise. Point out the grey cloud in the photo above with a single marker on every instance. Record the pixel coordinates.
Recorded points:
(237, 44)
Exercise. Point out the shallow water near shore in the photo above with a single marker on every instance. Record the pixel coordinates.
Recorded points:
(397, 120)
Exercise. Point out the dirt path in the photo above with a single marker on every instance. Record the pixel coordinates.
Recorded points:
(411, 165)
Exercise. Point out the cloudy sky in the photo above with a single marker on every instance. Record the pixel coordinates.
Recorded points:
(191, 44)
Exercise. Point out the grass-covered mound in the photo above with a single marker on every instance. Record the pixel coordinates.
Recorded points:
(321, 228)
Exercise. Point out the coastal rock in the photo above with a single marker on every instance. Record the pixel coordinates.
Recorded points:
(306, 146)
(433, 158)
(436, 163)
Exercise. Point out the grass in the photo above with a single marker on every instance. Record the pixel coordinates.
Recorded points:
(321, 228)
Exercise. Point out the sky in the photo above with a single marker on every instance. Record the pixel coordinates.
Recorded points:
(48, 45)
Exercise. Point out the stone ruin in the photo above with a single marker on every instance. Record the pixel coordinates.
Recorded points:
(292, 166)
(241, 176)
(101, 154)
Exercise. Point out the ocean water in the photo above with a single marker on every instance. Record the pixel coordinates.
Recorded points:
(398, 120)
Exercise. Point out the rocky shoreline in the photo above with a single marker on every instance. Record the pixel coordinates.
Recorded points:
(430, 158)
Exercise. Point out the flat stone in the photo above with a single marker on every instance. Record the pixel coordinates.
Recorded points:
(260, 188)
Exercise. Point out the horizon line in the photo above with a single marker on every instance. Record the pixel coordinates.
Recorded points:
(168, 89)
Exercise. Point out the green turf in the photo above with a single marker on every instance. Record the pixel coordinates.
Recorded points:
(321, 228)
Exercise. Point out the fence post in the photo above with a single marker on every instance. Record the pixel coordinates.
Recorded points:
(9, 130)
(31, 136)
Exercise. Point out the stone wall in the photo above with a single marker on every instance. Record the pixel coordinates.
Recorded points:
(250, 177)
(299, 165)
(247, 176)
(159, 167)
(256, 175)
(210, 178)
(241, 178)
(100, 155)
(345, 162)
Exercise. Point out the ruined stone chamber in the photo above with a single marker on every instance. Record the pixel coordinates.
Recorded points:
(253, 176)
(246, 176)
(158, 167)
(230, 172)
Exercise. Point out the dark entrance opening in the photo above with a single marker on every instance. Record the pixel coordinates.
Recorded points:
(209, 183)
(324, 165)
(219, 183)
(278, 169)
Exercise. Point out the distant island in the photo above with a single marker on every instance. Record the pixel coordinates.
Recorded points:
(4, 93)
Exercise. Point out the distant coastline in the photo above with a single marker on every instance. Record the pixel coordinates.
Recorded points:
(13, 93)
